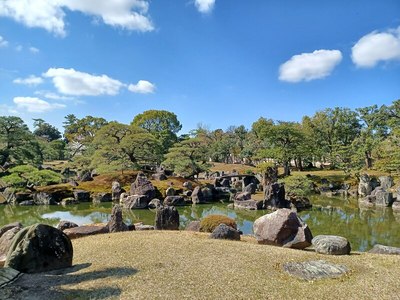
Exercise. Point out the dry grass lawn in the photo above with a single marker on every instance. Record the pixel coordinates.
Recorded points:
(185, 265)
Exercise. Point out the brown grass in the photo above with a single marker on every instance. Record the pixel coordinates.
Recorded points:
(185, 265)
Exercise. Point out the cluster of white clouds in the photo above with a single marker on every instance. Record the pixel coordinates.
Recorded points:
(70, 83)
(130, 15)
(371, 49)
(126, 14)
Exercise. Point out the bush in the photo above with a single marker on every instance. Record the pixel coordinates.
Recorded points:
(298, 185)
(23, 169)
(44, 177)
(14, 180)
(210, 222)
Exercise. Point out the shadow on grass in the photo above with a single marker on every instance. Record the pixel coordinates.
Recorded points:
(51, 285)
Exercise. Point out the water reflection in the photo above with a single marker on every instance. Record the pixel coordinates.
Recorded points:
(363, 227)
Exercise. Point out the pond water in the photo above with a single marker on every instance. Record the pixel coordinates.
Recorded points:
(362, 227)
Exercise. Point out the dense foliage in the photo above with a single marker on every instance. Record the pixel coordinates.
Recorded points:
(337, 137)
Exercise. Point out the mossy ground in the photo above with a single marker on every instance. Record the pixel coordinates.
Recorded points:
(185, 265)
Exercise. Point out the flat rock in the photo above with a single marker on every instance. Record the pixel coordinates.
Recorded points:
(381, 249)
(225, 232)
(85, 230)
(315, 269)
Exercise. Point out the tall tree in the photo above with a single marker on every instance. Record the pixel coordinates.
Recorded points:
(164, 125)
(45, 130)
(17, 143)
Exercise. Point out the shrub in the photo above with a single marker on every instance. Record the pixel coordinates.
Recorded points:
(298, 185)
(210, 222)
(23, 169)
(44, 177)
(14, 180)
(22, 175)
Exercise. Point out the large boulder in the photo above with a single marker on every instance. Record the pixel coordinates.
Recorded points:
(170, 191)
(174, 201)
(396, 206)
(39, 248)
(155, 203)
(135, 202)
(274, 195)
(116, 222)
(197, 196)
(248, 204)
(331, 245)
(282, 228)
(7, 227)
(42, 198)
(142, 186)
(167, 218)
(383, 198)
(365, 185)
(250, 188)
(102, 197)
(381, 249)
(242, 196)
(225, 232)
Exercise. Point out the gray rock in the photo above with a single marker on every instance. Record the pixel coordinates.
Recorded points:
(174, 201)
(312, 270)
(274, 195)
(193, 226)
(365, 185)
(143, 187)
(282, 228)
(386, 182)
(154, 203)
(396, 206)
(225, 232)
(44, 199)
(197, 196)
(187, 193)
(331, 245)
(225, 182)
(81, 196)
(144, 227)
(27, 203)
(383, 198)
(136, 202)
(242, 196)
(188, 185)
(116, 223)
(62, 225)
(207, 193)
(159, 176)
(39, 248)
(248, 204)
(167, 218)
(381, 249)
(250, 188)
(116, 191)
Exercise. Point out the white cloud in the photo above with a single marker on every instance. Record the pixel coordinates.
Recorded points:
(310, 66)
(35, 105)
(126, 14)
(3, 42)
(204, 6)
(7, 110)
(19, 48)
(71, 82)
(53, 96)
(31, 80)
(142, 87)
(375, 47)
(34, 50)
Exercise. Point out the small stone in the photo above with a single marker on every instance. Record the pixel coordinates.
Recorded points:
(193, 226)
(65, 225)
(167, 218)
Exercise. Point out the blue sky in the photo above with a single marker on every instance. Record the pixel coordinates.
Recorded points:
(219, 63)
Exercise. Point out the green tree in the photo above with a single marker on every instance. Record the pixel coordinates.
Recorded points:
(188, 157)
(123, 146)
(80, 133)
(164, 125)
(17, 143)
(45, 130)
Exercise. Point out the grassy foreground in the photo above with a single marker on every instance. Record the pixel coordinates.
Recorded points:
(185, 265)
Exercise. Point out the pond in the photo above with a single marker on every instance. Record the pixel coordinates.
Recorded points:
(362, 227)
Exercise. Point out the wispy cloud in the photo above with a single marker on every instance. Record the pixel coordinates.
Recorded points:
(310, 66)
(3, 42)
(35, 105)
(377, 47)
(32, 80)
(126, 14)
(34, 50)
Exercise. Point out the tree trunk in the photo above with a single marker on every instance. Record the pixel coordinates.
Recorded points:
(299, 164)
(286, 168)
(368, 160)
